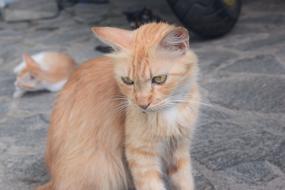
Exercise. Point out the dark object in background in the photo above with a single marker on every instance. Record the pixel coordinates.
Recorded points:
(66, 3)
(207, 18)
(69, 3)
(104, 49)
(94, 1)
(139, 17)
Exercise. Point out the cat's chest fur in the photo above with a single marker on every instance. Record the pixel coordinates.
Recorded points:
(168, 122)
(170, 116)
(176, 119)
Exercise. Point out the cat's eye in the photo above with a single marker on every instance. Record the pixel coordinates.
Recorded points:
(159, 79)
(127, 80)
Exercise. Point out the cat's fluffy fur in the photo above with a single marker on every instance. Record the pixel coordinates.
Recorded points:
(43, 71)
(100, 139)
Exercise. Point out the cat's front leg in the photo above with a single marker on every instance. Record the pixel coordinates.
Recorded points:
(144, 164)
(18, 92)
(180, 170)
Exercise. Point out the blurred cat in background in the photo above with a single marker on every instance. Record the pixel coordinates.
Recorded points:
(43, 71)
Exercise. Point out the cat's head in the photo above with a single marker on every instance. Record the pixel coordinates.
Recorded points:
(153, 65)
(28, 77)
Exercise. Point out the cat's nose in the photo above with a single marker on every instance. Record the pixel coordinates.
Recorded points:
(144, 106)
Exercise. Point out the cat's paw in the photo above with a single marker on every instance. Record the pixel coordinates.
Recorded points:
(18, 93)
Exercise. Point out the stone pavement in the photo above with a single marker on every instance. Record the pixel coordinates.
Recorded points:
(240, 141)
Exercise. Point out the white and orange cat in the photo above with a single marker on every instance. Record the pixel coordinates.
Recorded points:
(126, 120)
(43, 71)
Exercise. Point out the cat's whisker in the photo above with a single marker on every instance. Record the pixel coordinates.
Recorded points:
(120, 109)
(160, 105)
(119, 98)
(191, 101)
(161, 102)
(187, 96)
(120, 101)
(122, 106)
(123, 103)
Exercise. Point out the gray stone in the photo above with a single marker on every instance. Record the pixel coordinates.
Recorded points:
(21, 10)
(262, 64)
(277, 155)
(270, 19)
(220, 145)
(4, 106)
(7, 84)
(27, 172)
(210, 60)
(68, 35)
(11, 56)
(30, 169)
(202, 183)
(22, 129)
(260, 93)
(9, 35)
(89, 13)
(269, 42)
(210, 113)
(35, 102)
(256, 172)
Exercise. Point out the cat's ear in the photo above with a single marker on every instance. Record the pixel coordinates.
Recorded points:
(117, 38)
(176, 41)
(30, 62)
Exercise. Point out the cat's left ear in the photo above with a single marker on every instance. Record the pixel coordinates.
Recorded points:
(119, 39)
(176, 41)
(30, 62)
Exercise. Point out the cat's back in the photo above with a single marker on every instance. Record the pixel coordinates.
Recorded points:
(86, 127)
(89, 99)
(58, 65)
(94, 77)
(50, 60)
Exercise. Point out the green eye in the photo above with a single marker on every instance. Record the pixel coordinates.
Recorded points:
(159, 79)
(127, 80)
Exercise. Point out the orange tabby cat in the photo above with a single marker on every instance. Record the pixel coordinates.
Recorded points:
(127, 119)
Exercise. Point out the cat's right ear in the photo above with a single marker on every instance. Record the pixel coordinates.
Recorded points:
(119, 39)
(30, 62)
(176, 41)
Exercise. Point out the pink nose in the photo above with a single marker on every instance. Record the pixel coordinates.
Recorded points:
(142, 101)
(144, 106)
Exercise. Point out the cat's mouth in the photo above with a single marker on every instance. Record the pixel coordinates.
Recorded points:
(156, 108)
(158, 105)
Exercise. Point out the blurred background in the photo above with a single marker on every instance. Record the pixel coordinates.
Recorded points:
(239, 143)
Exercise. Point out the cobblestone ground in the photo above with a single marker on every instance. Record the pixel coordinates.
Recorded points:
(240, 141)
